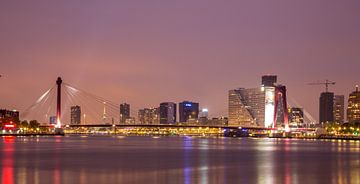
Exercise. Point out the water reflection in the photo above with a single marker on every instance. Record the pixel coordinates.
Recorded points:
(182, 160)
(7, 173)
(188, 141)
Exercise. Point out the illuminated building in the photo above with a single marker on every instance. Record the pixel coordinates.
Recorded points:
(130, 121)
(167, 112)
(124, 112)
(188, 111)
(258, 106)
(326, 108)
(246, 107)
(353, 110)
(75, 117)
(296, 117)
(149, 116)
(252, 107)
(339, 108)
(204, 113)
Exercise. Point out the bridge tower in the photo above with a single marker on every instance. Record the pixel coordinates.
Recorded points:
(58, 104)
(280, 93)
(104, 113)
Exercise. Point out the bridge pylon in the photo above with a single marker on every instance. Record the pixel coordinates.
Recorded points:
(58, 128)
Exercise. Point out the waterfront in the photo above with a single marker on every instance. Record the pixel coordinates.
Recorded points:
(118, 159)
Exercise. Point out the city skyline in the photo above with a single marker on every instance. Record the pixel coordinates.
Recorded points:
(119, 55)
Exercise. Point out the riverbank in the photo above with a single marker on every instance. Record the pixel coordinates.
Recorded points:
(32, 134)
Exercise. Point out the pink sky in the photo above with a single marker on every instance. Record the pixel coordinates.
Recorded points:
(146, 52)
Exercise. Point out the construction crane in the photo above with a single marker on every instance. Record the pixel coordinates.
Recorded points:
(326, 83)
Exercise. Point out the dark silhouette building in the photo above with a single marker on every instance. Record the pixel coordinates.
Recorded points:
(326, 107)
(168, 113)
(7, 115)
(269, 80)
(124, 112)
(188, 110)
(75, 115)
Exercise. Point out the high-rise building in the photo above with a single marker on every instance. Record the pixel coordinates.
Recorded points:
(258, 106)
(149, 116)
(326, 108)
(188, 111)
(246, 107)
(339, 108)
(75, 115)
(296, 117)
(269, 80)
(353, 110)
(124, 112)
(167, 113)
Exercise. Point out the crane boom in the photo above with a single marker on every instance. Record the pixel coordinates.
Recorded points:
(326, 83)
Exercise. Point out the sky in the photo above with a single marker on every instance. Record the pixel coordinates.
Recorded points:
(149, 51)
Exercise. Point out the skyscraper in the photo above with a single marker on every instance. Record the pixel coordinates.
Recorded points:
(326, 107)
(188, 110)
(149, 116)
(353, 110)
(259, 106)
(75, 115)
(167, 113)
(246, 107)
(124, 112)
(339, 108)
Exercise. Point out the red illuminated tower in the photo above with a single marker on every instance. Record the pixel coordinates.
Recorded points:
(280, 93)
(58, 111)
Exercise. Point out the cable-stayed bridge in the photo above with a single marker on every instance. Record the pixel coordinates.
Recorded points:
(96, 111)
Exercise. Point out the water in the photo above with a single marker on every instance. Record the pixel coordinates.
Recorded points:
(101, 159)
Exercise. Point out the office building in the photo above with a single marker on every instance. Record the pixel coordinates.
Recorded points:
(296, 117)
(75, 116)
(247, 107)
(149, 116)
(258, 107)
(124, 112)
(339, 108)
(167, 113)
(188, 111)
(326, 107)
(353, 110)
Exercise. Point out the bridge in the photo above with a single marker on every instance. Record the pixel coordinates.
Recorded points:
(98, 109)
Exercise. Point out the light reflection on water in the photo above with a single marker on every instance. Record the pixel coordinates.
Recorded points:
(75, 159)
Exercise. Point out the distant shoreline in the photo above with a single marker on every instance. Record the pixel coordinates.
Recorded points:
(324, 137)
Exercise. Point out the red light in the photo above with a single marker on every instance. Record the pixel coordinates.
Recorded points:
(10, 126)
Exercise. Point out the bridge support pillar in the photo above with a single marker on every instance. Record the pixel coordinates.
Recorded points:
(58, 106)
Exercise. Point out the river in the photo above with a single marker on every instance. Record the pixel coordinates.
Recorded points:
(116, 159)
